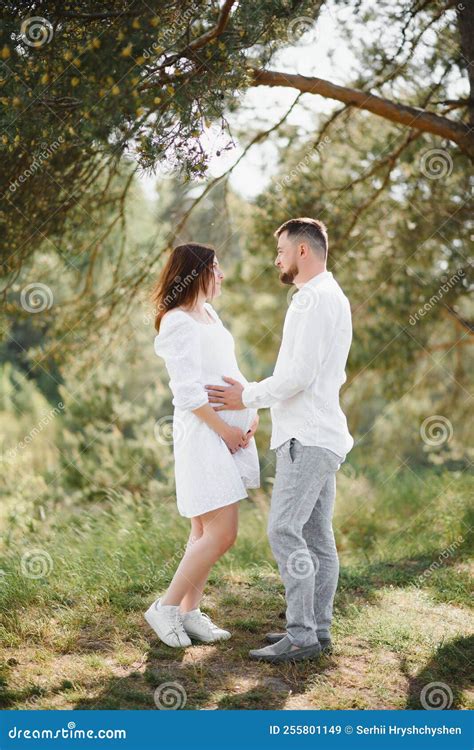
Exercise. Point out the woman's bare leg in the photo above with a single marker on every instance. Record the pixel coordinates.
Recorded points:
(188, 600)
(218, 535)
(197, 530)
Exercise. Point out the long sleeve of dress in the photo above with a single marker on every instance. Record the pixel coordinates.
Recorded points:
(178, 344)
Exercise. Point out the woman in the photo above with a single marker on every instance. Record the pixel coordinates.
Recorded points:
(215, 454)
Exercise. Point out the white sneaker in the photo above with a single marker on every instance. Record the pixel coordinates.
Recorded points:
(200, 627)
(165, 619)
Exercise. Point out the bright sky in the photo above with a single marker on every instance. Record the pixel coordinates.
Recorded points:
(319, 51)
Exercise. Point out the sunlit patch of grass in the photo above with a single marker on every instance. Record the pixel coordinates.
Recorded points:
(76, 638)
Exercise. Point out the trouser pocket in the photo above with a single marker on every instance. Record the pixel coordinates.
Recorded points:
(292, 449)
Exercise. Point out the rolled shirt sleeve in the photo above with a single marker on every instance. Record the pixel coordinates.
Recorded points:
(178, 344)
(306, 338)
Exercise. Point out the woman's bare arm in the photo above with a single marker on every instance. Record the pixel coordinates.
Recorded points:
(232, 436)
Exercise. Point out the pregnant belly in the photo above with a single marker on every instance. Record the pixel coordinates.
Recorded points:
(241, 418)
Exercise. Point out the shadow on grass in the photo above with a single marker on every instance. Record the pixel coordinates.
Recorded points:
(218, 676)
(440, 683)
(215, 676)
(222, 676)
(364, 582)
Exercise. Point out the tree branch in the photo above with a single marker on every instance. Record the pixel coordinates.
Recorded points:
(258, 138)
(201, 41)
(462, 322)
(420, 119)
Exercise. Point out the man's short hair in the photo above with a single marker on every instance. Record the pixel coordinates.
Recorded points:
(312, 231)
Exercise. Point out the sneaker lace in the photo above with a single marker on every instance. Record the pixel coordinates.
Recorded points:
(177, 627)
(206, 617)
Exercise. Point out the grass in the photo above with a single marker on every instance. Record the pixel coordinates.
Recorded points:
(76, 637)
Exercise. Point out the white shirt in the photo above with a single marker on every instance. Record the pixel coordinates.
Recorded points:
(303, 391)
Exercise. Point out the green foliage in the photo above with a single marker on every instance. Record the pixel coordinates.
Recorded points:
(108, 441)
(399, 245)
(81, 88)
(86, 459)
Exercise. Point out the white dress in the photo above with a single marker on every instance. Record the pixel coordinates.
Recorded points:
(208, 475)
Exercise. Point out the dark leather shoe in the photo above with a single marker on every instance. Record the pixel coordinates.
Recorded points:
(284, 651)
(325, 643)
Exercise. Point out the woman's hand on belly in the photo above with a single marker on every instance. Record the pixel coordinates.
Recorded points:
(233, 438)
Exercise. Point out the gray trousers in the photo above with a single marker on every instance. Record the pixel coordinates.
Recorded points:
(302, 538)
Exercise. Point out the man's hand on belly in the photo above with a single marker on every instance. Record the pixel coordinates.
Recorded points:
(226, 396)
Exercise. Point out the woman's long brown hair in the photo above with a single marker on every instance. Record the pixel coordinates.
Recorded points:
(188, 270)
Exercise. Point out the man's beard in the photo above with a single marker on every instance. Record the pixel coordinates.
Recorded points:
(287, 277)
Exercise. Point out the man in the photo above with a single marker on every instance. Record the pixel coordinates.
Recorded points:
(309, 434)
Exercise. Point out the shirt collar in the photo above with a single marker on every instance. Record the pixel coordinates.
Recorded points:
(316, 279)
